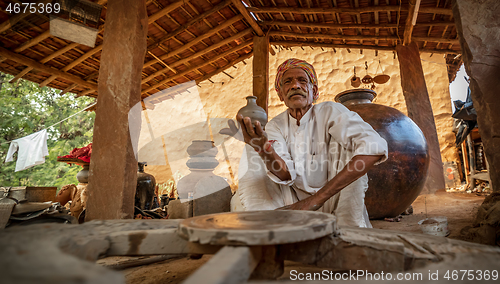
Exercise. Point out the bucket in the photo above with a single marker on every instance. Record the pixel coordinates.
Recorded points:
(437, 226)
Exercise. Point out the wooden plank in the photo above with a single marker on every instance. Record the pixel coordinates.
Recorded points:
(472, 161)
(250, 20)
(420, 110)
(465, 159)
(151, 242)
(260, 67)
(39, 66)
(229, 266)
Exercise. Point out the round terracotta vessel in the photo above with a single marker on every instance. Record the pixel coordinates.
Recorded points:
(394, 184)
(255, 112)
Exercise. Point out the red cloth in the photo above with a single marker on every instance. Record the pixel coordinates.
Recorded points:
(83, 153)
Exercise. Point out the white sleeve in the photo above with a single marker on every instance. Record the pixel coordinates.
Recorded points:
(12, 149)
(354, 134)
(280, 147)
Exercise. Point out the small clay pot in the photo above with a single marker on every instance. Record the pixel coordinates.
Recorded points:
(255, 112)
(381, 79)
(367, 79)
(355, 81)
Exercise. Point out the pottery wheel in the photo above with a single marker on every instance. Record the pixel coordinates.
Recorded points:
(257, 227)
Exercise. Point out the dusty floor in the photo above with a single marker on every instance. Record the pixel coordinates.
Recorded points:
(459, 208)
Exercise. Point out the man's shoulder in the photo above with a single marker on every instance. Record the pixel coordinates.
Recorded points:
(330, 107)
(280, 118)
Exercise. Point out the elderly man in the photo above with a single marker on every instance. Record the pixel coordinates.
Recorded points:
(317, 153)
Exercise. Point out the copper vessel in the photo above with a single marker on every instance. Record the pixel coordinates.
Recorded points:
(396, 183)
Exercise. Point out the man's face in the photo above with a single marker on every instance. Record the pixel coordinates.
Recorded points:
(296, 90)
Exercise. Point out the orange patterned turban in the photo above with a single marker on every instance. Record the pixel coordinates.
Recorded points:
(296, 63)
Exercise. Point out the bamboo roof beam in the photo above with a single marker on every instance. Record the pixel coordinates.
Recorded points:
(33, 41)
(436, 39)
(39, 66)
(198, 54)
(164, 11)
(371, 9)
(328, 36)
(184, 27)
(196, 41)
(232, 50)
(45, 60)
(327, 25)
(250, 20)
(234, 62)
(73, 64)
(411, 20)
(353, 46)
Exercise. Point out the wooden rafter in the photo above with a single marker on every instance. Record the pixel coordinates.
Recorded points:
(52, 71)
(184, 27)
(33, 41)
(410, 21)
(327, 25)
(370, 9)
(250, 20)
(328, 36)
(220, 56)
(353, 46)
(165, 11)
(198, 54)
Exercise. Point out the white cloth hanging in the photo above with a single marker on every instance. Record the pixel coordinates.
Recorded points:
(32, 150)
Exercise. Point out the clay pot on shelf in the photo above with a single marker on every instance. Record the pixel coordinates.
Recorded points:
(397, 182)
(255, 112)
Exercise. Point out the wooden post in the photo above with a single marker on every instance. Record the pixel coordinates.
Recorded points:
(261, 70)
(465, 156)
(420, 110)
(113, 168)
(478, 29)
(472, 161)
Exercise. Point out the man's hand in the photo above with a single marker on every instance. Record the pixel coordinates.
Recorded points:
(310, 204)
(253, 136)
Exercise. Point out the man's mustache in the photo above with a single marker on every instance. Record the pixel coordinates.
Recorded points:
(296, 92)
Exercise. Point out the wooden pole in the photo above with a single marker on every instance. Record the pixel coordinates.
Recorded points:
(261, 70)
(478, 29)
(113, 168)
(420, 110)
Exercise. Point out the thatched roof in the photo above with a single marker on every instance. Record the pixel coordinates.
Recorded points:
(196, 39)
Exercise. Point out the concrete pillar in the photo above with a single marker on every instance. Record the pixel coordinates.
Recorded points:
(113, 168)
(261, 70)
(478, 27)
(420, 110)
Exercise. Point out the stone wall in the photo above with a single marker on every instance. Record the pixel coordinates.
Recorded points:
(225, 96)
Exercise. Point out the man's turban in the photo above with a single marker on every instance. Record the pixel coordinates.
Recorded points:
(296, 63)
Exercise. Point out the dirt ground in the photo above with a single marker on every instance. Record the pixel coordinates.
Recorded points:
(459, 208)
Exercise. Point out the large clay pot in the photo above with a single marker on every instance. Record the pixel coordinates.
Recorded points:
(145, 191)
(394, 184)
(255, 112)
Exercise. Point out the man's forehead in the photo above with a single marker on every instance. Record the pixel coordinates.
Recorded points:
(295, 72)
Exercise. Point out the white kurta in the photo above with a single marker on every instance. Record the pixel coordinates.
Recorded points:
(328, 137)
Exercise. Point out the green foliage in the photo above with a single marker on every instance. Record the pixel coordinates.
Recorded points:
(26, 108)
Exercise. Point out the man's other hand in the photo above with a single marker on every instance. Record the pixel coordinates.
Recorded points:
(310, 204)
